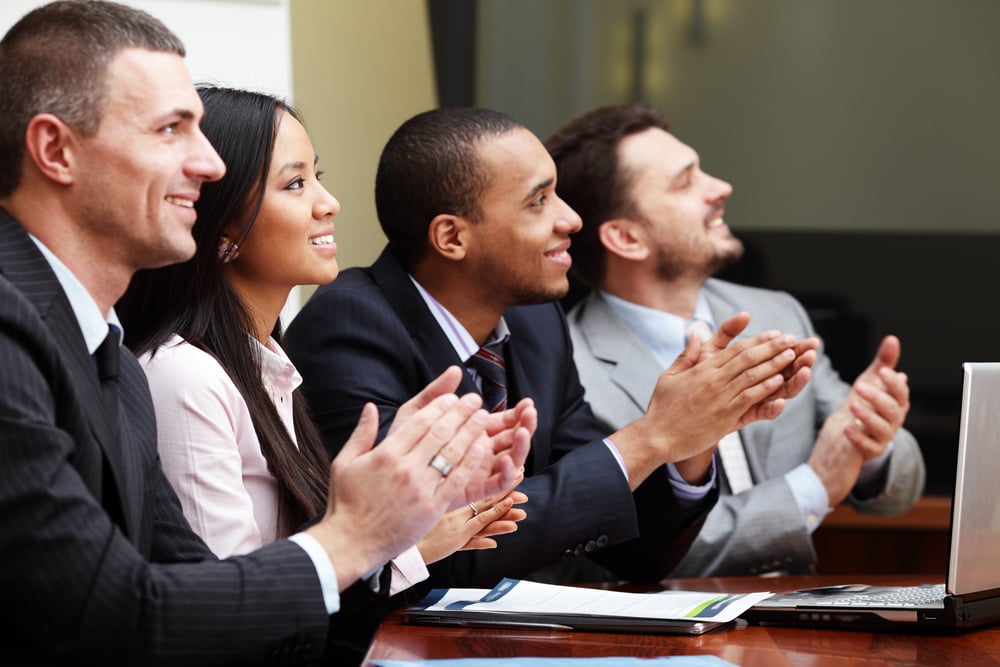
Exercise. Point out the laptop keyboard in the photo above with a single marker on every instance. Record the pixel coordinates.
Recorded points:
(905, 596)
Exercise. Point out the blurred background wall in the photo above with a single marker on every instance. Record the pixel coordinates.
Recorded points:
(860, 136)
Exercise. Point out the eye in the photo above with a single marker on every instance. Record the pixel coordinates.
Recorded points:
(296, 184)
(540, 200)
(170, 129)
(319, 174)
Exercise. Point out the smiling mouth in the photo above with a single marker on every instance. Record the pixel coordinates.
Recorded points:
(186, 203)
(326, 239)
(718, 222)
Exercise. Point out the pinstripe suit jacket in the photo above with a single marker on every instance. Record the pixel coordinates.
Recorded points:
(97, 563)
(369, 336)
(760, 529)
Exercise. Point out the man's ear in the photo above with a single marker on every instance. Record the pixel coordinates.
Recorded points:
(51, 145)
(624, 238)
(447, 236)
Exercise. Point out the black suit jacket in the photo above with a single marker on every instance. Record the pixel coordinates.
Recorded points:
(369, 336)
(97, 563)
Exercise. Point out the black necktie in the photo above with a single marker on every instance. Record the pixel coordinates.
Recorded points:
(488, 362)
(107, 371)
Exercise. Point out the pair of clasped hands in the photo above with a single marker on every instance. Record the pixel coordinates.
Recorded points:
(444, 477)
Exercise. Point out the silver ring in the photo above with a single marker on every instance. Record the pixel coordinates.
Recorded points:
(475, 510)
(858, 424)
(441, 464)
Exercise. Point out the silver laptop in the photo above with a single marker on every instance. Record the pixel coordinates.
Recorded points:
(971, 595)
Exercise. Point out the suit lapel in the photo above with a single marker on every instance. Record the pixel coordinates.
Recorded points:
(26, 268)
(635, 370)
(435, 348)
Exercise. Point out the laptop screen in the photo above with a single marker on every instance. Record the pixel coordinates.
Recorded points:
(975, 522)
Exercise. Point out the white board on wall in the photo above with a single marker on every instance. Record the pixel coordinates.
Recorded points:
(242, 43)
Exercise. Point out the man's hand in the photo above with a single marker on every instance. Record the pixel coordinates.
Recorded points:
(863, 424)
(710, 392)
(384, 499)
(506, 439)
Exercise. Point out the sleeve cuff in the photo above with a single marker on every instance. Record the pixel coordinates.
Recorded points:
(810, 495)
(688, 494)
(408, 569)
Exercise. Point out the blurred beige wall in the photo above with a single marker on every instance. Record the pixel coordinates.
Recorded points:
(360, 70)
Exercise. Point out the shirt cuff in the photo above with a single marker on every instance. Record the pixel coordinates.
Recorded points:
(688, 494)
(810, 495)
(618, 457)
(871, 479)
(324, 570)
(408, 569)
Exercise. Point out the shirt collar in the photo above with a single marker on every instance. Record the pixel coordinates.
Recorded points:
(459, 337)
(93, 323)
(275, 367)
(662, 332)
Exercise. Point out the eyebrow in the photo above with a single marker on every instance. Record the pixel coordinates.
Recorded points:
(544, 185)
(683, 170)
(297, 165)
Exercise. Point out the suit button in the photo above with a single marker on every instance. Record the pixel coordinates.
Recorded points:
(591, 545)
(567, 554)
(578, 550)
(602, 541)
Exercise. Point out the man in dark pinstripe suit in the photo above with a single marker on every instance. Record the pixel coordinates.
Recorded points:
(101, 161)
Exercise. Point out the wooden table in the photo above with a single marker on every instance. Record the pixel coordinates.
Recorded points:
(738, 643)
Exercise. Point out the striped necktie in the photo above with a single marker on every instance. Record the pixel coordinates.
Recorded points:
(488, 362)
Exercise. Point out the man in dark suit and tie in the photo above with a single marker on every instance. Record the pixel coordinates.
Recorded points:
(101, 161)
(653, 236)
(477, 256)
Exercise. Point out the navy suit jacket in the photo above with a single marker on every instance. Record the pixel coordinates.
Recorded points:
(97, 563)
(369, 337)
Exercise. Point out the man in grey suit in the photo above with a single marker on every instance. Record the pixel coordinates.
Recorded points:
(101, 161)
(652, 238)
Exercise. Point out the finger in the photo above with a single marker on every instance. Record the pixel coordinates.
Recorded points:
(888, 352)
(897, 384)
(490, 513)
(479, 544)
(688, 358)
(758, 364)
(794, 384)
(498, 528)
(874, 430)
(445, 383)
(730, 329)
(884, 405)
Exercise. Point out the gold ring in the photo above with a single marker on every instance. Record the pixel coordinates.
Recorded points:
(475, 510)
(441, 464)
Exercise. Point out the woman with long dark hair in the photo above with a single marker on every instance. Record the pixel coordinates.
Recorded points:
(235, 438)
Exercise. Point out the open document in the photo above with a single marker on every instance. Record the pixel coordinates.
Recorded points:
(526, 604)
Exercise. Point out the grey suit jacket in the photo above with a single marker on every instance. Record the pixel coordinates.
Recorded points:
(761, 529)
(97, 563)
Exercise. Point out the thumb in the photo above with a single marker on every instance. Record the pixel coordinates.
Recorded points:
(888, 352)
(363, 437)
(688, 358)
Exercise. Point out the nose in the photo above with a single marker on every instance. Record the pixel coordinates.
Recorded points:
(326, 205)
(569, 221)
(719, 190)
(204, 163)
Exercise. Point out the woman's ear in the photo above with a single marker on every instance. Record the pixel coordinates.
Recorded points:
(52, 144)
(447, 236)
(624, 238)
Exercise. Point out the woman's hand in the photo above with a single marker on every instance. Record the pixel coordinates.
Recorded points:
(474, 526)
